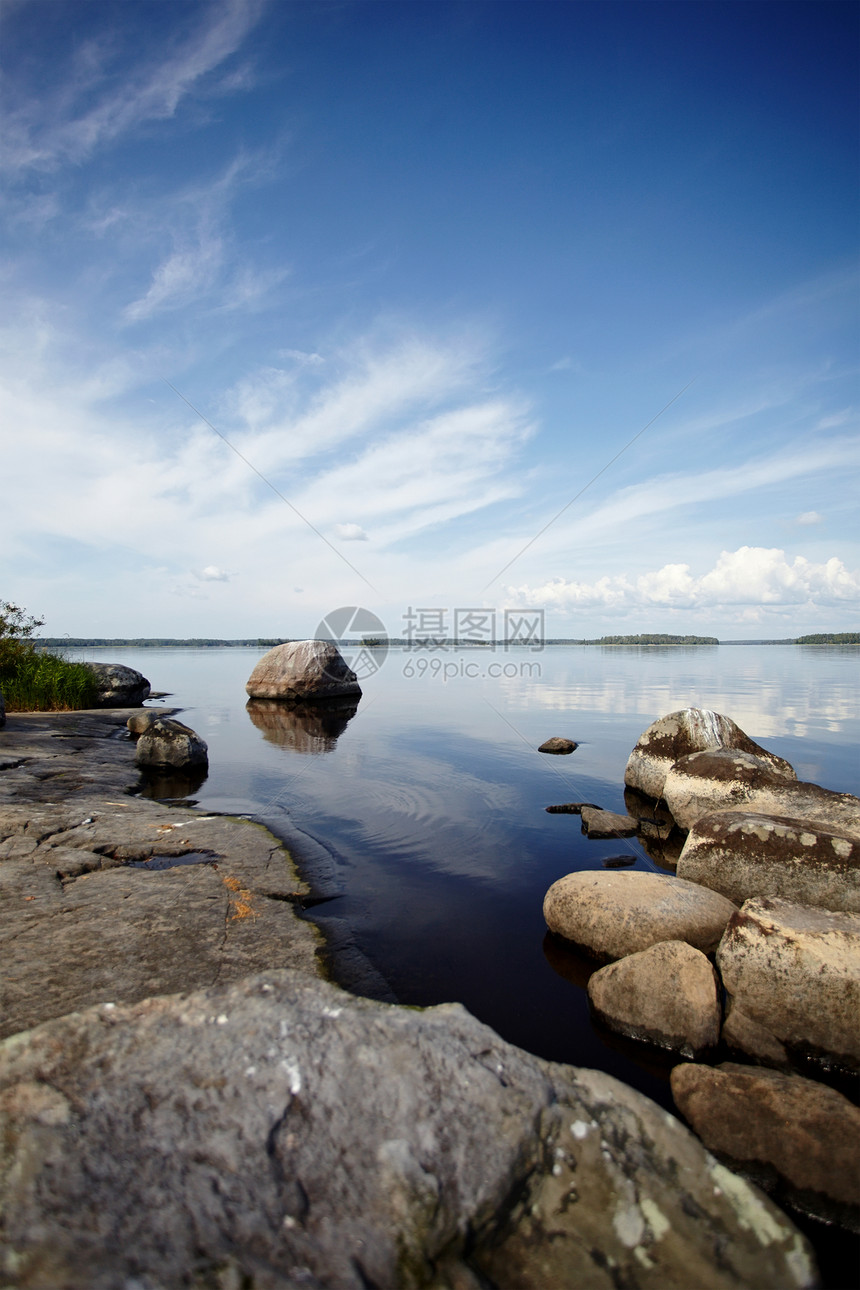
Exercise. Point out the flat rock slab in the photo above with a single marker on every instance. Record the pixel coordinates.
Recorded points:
(745, 854)
(114, 898)
(558, 745)
(279, 1133)
(665, 995)
(794, 972)
(689, 730)
(607, 824)
(796, 1136)
(610, 915)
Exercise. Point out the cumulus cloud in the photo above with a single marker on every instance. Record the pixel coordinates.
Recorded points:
(350, 533)
(752, 576)
(213, 574)
(808, 517)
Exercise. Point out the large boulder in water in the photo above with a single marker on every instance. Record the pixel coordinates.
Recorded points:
(793, 971)
(611, 915)
(278, 1132)
(688, 731)
(299, 671)
(169, 745)
(118, 686)
(746, 854)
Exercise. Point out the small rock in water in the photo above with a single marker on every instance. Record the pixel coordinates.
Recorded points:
(607, 824)
(557, 745)
(570, 808)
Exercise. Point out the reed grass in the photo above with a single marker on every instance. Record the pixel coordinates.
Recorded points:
(32, 681)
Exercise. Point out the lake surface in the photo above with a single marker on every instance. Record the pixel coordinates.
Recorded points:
(423, 815)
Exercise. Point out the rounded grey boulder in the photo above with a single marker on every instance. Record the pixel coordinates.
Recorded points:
(301, 671)
(118, 686)
(169, 745)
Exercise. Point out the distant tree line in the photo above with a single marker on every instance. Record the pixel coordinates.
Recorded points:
(156, 642)
(830, 638)
(654, 638)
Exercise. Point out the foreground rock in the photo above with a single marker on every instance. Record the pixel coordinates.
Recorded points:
(743, 855)
(118, 686)
(302, 670)
(793, 973)
(166, 745)
(665, 995)
(796, 1137)
(597, 823)
(610, 915)
(278, 1133)
(690, 730)
(557, 745)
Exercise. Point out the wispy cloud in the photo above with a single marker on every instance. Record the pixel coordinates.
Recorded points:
(98, 96)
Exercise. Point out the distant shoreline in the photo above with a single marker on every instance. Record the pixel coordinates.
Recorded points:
(654, 642)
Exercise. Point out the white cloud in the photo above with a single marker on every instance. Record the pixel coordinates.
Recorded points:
(212, 574)
(808, 517)
(350, 533)
(752, 576)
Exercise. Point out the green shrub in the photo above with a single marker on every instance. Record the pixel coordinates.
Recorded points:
(33, 681)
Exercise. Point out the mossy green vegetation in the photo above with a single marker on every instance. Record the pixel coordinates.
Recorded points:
(33, 680)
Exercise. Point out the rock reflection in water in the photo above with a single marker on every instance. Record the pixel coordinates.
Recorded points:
(302, 727)
(172, 785)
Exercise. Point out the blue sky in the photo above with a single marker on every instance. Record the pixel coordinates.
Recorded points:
(429, 268)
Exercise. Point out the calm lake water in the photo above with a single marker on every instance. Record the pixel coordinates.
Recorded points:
(423, 814)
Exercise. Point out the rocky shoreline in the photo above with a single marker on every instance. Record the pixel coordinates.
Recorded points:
(186, 1102)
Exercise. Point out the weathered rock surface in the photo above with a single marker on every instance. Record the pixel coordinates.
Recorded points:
(302, 727)
(84, 921)
(167, 744)
(278, 1133)
(687, 731)
(706, 782)
(665, 995)
(557, 744)
(118, 900)
(610, 915)
(302, 670)
(606, 824)
(118, 686)
(794, 1136)
(743, 855)
(719, 779)
(794, 971)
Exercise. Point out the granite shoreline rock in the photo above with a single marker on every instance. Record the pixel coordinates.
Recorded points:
(277, 1133)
